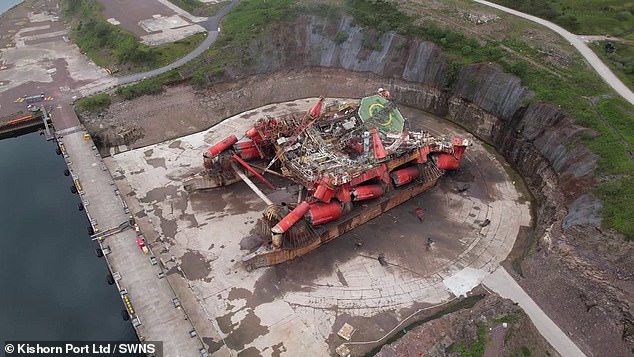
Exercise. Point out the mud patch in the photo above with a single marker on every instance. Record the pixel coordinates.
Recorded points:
(194, 265)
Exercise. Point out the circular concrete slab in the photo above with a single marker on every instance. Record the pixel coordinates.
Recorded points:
(303, 303)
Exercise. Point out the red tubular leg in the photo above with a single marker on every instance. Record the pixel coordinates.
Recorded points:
(248, 167)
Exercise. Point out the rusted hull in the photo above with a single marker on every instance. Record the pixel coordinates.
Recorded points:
(266, 256)
(204, 181)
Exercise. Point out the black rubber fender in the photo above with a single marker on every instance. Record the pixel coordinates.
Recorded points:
(99, 252)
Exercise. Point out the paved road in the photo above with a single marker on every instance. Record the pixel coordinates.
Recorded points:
(503, 284)
(596, 63)
(213, 28)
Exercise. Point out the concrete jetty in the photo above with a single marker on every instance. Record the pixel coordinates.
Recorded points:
(156, 311)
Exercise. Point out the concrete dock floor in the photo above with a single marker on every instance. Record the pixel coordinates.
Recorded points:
(150, 296)
(297, 308)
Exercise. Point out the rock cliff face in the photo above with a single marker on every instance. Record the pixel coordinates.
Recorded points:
(580, 275)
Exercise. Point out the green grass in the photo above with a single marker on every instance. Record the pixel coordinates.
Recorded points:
(149, 86)
(592, 17)
(111, 46)
(618, 199)
(621, 61)
(476, 348)
(94, 103)
(248, 21)
(199, 8)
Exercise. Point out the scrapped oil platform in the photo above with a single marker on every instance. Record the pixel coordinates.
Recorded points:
(352, 162)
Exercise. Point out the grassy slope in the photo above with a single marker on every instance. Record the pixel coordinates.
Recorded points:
(113, 47)
(591, 17)
(199, 8)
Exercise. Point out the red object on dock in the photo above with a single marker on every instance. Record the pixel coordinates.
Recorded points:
(254, 134)
(290, 219)
(448, 161)
(316, 110)
(377, 145)
(405, 176)
(324, 192)
(246, 150)
(420, 213)
(257, 174)
(320, 213)
(222, 146)
(367, 192)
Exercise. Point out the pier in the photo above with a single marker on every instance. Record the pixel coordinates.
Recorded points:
(26, 121)
(154, 309)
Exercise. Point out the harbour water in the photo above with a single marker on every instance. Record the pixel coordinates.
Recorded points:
(53, 285)
(7, 4)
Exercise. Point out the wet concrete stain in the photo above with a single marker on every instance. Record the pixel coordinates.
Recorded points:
(248, 330)
(269, 109)
(160, 194)
(236, 199)
(213, 345)
(291, 104)
(169, 227)
(239, 293)
(225, 324)
(194, 265)
(156, 162)
(341, 278)
(193, 223)
(175, 145)
(141, 214)
(148, 153)
(250, 352)
(373, 327)
(248, 115)
(278, 349)
(179, 203)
